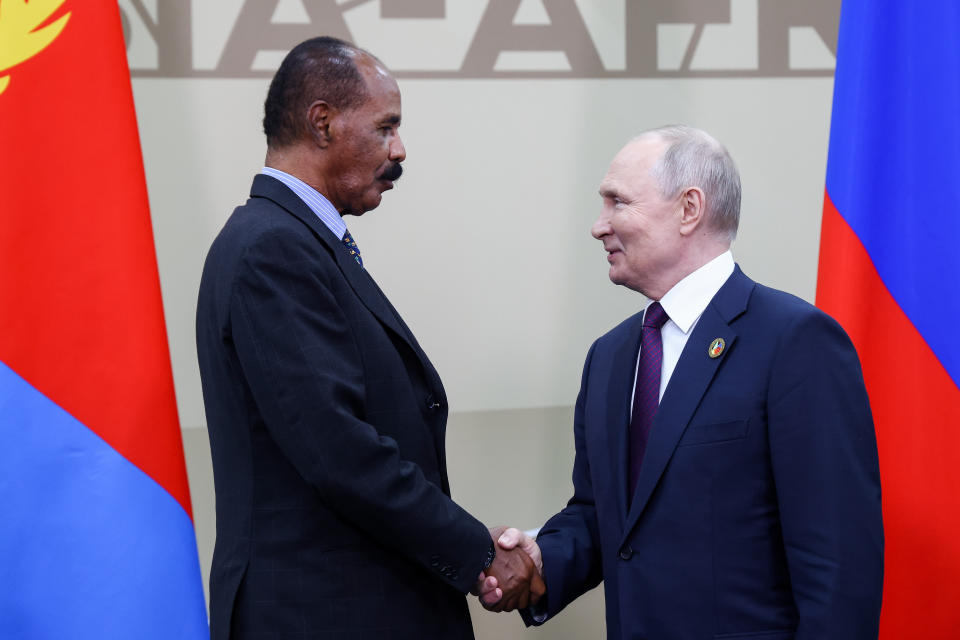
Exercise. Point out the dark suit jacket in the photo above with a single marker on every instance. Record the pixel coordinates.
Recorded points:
(326, 425)
(757, 510)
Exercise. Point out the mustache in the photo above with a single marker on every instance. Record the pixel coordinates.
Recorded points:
(392, 172)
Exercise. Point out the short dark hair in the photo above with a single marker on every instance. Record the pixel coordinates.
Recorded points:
(317, 69)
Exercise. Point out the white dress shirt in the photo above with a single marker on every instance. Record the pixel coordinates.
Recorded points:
(684, 304)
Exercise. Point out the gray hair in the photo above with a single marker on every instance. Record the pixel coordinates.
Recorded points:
(694, 158)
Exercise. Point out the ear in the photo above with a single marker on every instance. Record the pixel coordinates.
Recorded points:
(319, 116)
(692, 205)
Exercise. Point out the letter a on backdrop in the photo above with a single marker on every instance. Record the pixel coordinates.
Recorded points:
(890, 271)
(96, 533)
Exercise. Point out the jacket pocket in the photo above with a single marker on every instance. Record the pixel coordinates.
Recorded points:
(783, 634)
(714, 432)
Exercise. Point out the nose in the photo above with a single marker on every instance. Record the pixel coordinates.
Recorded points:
(398, 152)
(601, 227)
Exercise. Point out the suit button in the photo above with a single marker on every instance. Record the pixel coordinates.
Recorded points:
(626, 553)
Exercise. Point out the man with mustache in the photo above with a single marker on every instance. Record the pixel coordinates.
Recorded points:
(326, 419)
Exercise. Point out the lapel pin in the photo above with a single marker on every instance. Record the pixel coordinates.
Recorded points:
(716, 348)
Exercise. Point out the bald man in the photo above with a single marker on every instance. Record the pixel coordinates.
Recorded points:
(726, 481)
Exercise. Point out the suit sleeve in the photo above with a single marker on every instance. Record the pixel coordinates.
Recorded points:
(302, 361)
(824, 457)
(570, 541)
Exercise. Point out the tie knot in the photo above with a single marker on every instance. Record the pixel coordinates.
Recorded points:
(655, 316)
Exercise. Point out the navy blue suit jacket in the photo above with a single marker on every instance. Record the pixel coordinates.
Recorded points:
(757, 510)
(326, 424)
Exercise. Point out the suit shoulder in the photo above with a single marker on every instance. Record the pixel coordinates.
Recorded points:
(788, 312)
(261, 237)
(259, 218)
(262, 227)
(780, 303)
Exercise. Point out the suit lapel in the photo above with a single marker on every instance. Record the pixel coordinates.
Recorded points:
(360, 281)
(689, 382)
(432, 375)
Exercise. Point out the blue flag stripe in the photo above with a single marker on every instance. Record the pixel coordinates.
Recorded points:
(894, 168)
(92, 547)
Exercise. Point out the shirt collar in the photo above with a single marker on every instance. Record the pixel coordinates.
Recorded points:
(320, 206)
(687, 299)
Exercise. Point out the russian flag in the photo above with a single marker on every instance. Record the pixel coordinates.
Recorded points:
(96, 533)
(889, 272)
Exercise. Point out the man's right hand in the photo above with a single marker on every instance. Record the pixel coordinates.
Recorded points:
(518, 570)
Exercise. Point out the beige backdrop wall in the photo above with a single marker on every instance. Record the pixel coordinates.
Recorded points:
(484, 246)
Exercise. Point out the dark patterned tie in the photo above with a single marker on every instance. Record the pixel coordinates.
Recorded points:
(352, 247)
(646, 395)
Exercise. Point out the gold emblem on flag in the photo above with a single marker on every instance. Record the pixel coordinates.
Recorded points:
(19, 33)
(716, 347)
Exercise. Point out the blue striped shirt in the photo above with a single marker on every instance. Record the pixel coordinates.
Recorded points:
(312, 198)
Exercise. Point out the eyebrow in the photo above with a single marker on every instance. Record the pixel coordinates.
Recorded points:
(607, 191)
(391, 119)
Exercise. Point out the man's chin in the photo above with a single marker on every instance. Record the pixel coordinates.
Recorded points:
(371, 203)
(622, 280)
(363, 207)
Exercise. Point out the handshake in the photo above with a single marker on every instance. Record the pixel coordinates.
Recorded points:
(514, 580)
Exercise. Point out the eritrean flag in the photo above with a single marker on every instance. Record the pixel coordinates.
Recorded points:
(890, 273)
(96, 535)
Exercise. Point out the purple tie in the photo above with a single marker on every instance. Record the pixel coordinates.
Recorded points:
(646, 396)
